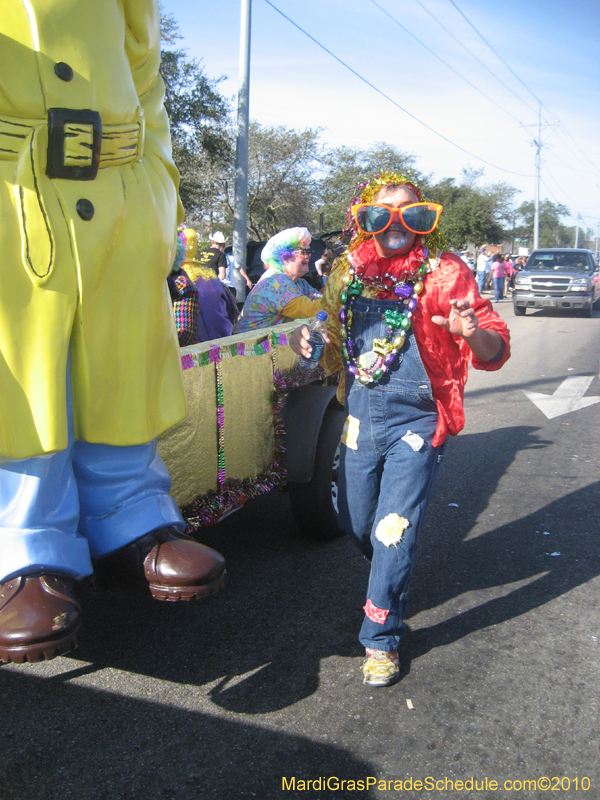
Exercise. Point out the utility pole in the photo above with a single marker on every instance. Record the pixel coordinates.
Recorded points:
(512, 241)
(240, 203)
(538, 145)
(577, 232)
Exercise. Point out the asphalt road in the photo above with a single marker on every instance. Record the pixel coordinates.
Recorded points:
(224, 698)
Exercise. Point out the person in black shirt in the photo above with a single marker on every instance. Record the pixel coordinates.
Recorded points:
(214, 257)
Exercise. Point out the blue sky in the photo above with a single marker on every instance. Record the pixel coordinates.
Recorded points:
(551, 51)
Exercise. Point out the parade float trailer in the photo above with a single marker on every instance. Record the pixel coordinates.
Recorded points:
(256, 421)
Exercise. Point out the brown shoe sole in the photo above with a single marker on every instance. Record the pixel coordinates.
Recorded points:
(174, 593)
(41, 651)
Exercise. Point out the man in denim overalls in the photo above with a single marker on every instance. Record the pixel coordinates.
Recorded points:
(405, 319)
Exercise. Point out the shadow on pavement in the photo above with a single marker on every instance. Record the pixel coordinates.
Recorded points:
(288, 604)
(450, 566)
(76, 743)
(291, 603)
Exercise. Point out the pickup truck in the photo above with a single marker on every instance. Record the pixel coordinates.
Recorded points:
(557, 278)
(256, 421)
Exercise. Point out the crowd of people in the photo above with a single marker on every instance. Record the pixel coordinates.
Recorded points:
(202, 286)
(497, 272)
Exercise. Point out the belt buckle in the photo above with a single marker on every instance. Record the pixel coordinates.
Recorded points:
(83, 125)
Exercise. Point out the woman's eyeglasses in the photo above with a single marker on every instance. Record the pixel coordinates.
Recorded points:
(416, 217)
(302, 251)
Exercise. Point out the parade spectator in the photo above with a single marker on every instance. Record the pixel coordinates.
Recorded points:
(510, 273)
(232, 268)
(184, 296)
(214, 256)
(482, 260)
(324, 264)
(405, 321)
(498, 277)
(466, 257)
(487, 284)
(282, 294)
(217, 312)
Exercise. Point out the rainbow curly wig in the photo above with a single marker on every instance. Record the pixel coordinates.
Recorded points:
(281, 247)
(367, 191)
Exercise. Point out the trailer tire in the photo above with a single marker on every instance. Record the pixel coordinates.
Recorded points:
(314, 504)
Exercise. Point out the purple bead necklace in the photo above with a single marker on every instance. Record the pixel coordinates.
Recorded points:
(398, 319)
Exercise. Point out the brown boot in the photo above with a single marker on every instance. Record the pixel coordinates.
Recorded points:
(169, 564)
(40, 617)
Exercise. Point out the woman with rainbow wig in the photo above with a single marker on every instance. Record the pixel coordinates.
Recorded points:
(282, 294)
(405, 321)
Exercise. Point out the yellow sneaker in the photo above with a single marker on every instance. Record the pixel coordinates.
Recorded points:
(381, 668)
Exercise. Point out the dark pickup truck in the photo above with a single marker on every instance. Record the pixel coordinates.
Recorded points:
(558, 278)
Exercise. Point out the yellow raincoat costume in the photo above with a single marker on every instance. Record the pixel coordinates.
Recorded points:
(83, 256)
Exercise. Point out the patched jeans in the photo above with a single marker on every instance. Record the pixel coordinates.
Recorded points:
(387, 470)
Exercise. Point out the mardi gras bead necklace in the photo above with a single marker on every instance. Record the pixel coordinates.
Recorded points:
(406, 290)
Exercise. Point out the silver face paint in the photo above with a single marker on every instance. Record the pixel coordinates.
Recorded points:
(394, 238)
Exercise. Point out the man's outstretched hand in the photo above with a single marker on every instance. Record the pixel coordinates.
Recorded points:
(462, 320)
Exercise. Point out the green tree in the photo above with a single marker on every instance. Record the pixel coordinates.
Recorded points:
(471, 215)
(587, 238)
(198, 114)
(343, 168)
(552, 231)
(282, 188)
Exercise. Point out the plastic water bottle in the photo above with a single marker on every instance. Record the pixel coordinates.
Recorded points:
(318, 331)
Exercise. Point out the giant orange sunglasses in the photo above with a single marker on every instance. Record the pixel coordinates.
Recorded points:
(416, 217)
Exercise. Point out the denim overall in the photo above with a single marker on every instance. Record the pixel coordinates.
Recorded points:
(386, 477)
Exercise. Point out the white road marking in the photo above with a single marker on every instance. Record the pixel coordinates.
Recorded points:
(568, 397)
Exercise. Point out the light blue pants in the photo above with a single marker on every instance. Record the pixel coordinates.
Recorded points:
(58, 512)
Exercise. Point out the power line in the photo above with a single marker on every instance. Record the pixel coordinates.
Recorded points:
(520, 81)
(568, 147)
(389, 99)
(495, 53)
(572, 152)
(564, 163)
(493, 74)
(575, 155)
(573, 216)
(559, 187)
(558, 203)
(594, 166)
(445, 63)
